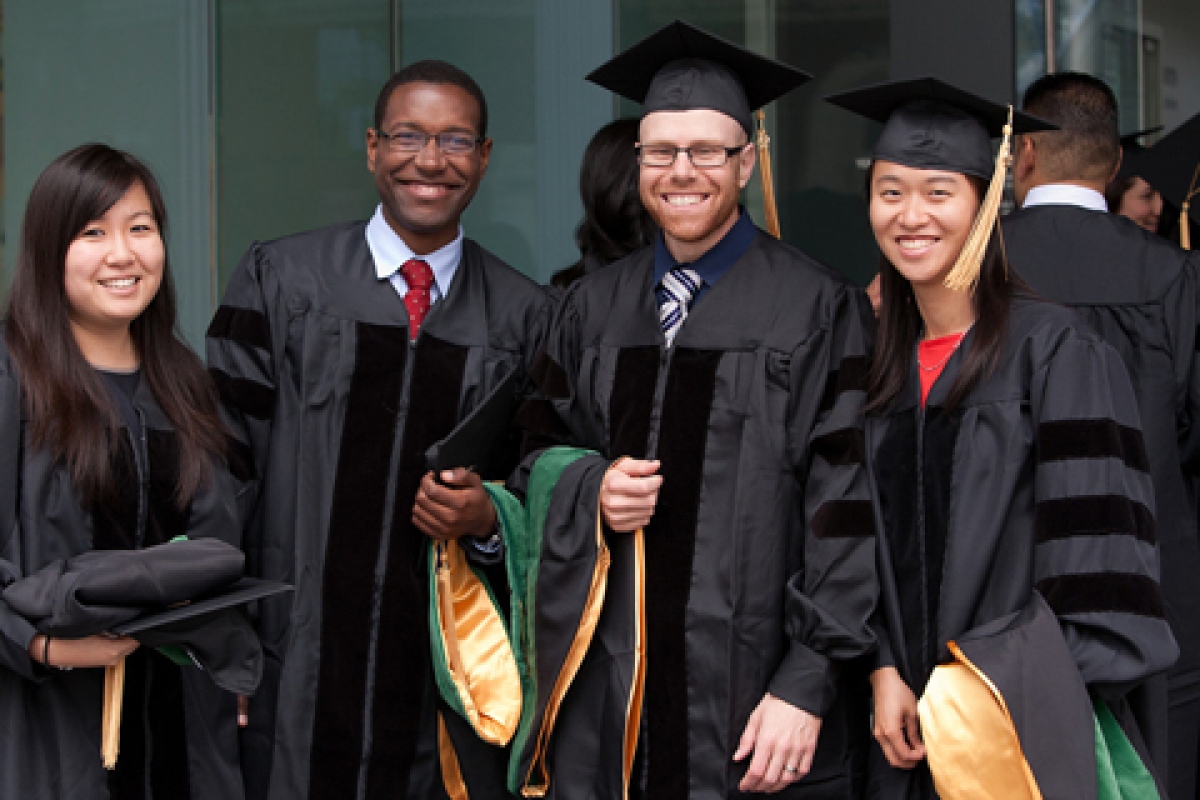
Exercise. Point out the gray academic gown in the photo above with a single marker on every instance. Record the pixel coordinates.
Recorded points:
(1038, 481)
(759, 561)
(1142, 294)
(312, 356)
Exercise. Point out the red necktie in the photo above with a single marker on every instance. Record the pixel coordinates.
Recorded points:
(419, 277)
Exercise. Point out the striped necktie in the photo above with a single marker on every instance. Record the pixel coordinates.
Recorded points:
(675, 293)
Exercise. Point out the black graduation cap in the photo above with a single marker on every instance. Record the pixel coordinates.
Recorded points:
(929, 124)
(244, 591)
(478, 442)
(1173, 167)
(1132, 141)
(681, 67)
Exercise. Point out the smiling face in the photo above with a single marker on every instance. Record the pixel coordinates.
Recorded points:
(1142, 204)
(425, 193)
(921, 219)
(113, 269)
(695, 207)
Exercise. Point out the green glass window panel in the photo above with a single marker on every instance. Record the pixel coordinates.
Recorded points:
(296, 88)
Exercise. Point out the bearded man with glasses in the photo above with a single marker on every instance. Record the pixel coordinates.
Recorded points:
(342, 354)
(719, 377)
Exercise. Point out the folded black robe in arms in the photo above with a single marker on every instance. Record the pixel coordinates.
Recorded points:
(178, 730)
(759, 562)
(1039, 481)
(312, 355)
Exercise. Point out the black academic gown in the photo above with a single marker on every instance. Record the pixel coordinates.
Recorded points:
(1039, 480)
(312, 355)
(1142, 294)
(178, 731)
(759, 561)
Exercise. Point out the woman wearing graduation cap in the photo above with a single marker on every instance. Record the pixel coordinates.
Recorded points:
(1009, 474)
(110, 440)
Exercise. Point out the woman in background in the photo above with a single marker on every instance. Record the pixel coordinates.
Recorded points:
(614, 222)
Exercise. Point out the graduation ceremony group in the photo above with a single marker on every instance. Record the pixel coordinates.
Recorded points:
(702, 519)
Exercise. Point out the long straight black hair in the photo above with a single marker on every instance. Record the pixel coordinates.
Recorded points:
(71, 412)
(900, 324)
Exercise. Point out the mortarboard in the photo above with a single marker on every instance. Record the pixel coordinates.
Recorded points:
(681, 67)
(929, 124)
(1131, 150)
(478, 441)
(1173, 168)
(244, 591)
(1131, 142)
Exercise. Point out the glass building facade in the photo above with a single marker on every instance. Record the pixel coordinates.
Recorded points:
(253, 113)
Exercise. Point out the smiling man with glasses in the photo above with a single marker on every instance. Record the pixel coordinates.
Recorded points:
(343, 354)
(719, 376)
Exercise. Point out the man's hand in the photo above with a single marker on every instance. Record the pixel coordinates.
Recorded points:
(101, 650)
(897, 726)
(458, 506)
(629, 493)
(783, 739)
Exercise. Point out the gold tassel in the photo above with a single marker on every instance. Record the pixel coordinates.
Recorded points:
(1185, 232)
(965, 273)
(114, 692)
(763, 143)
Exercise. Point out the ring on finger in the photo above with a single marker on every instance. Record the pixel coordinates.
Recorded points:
(791, 770)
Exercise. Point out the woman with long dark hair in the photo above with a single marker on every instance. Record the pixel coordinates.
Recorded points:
(111, 439)
(615, 223)
(1009, 471)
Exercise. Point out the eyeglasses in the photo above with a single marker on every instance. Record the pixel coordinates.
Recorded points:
(701, 155)
(449, 142)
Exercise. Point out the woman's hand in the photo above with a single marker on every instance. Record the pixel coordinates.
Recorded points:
(897, 726)
(100, 650)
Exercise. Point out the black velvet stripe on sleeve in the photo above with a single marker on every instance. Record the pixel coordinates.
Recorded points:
(242, 325)
(840, 519)
(851, 375)
(1103, 592)
(250, 397)
(549, 377)
(1093, 516)
(352, 549)
(670, 548)
(841, 448)
(632, 401)
(402, 659)
(1065, 439)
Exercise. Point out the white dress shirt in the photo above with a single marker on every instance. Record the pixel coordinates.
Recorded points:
(1065, 194)
(389, 252)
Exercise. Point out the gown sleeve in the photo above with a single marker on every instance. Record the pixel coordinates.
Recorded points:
(15, 631)
(244, 345)
(830, 601)
(1182, 311)
(1095, 557)
(552, 414)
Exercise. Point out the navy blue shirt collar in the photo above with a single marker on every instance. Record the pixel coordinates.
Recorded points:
(717, 261)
